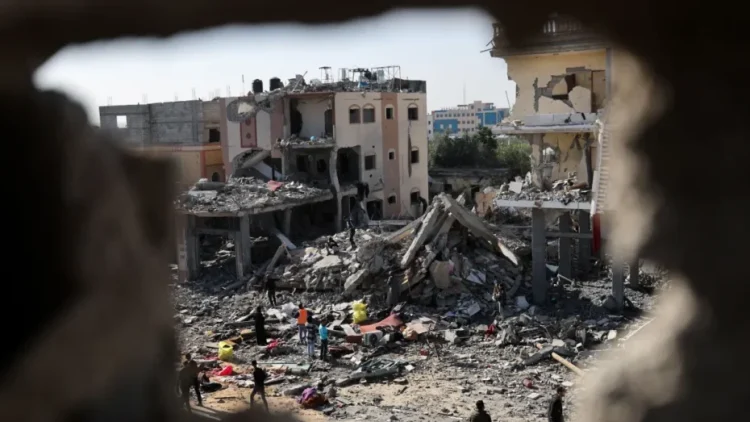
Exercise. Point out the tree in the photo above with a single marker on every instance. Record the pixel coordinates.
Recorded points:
(516, 157)
(486, 138)
(462, 151)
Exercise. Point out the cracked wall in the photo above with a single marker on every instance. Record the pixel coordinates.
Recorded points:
(547, 84)
(569, 154)
(559, 84)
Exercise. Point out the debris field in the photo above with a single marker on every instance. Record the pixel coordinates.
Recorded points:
(459, 327)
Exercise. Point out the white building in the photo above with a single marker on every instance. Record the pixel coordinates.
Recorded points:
(465, 118)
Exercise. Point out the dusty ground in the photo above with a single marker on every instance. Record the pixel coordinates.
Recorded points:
(441, 388)
(233, 399)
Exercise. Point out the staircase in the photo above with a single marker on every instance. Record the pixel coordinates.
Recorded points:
(601, 180)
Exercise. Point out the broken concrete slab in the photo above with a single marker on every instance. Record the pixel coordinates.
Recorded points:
(477, 277)
(425, 229)
(515, 187)
(456, 336)
(580, 97)
(354, 281)
(329, 261)
(440, 272)
(406, 231)
(476, 226)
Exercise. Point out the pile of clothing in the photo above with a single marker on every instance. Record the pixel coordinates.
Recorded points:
(311, 398)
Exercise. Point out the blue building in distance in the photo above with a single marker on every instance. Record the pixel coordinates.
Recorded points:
(465, 118)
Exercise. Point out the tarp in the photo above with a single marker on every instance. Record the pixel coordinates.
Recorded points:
(273, 185)
(392, 321)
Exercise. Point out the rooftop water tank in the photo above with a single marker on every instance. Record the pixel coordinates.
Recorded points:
(257, 86)
(275, 84)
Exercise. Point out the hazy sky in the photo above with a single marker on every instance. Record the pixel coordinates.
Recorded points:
(441, 47)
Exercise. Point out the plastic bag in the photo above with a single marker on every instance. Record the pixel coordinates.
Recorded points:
(360, 312)
(226, 371)
(226, 351)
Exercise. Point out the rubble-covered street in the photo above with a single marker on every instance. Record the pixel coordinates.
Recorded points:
(444, 346)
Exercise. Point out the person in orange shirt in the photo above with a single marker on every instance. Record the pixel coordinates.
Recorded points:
(301, 321)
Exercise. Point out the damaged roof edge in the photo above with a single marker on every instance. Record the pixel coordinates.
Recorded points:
(520, 130)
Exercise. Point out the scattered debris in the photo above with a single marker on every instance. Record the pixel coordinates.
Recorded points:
(246, 193)
(447, 330)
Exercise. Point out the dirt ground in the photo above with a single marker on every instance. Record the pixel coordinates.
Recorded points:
(233, 399)
(430, 394)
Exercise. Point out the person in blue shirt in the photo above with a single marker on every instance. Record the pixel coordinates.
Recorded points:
(323, 333)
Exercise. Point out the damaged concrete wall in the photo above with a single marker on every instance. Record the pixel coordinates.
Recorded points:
(312, 164)
(542, 84)
(568, 154)
(412, 135)
(179, 122)
(263, 129)
(231, 137)
(259, 131)
(313, 116)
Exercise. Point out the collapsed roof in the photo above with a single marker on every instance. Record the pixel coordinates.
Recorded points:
(247, 195)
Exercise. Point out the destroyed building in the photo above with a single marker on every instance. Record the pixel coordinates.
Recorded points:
(461, 180)
(367, 128)
(437, 304)
(303, 159)
(186, 131)
(564, 79)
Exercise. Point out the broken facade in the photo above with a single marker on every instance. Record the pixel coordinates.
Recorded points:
(185, 131)
(338, 135)
(358, 151)
(561, 85)
(563, 79)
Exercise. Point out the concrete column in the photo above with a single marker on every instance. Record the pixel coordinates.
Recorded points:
(618, 283)
(634, 268)
(286, 161)
(566, 265)
(537, 167)
(242, 247)
(334, 175)
(287, 229)
(181, 227)
(584, 245)
(193, 248)
(538, 256)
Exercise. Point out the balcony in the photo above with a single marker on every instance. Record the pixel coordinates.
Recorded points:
(558, 35)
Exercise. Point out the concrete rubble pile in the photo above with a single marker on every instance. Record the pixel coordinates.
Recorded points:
(243, 193)
(320, 266)
(296, 140)
(447, 333)
(521, 189)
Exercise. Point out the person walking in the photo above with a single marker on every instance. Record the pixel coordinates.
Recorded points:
(259, 387)
(189, 378)
(480, 415)
(352, 230)
(555, 411)
(312, 331)
(498, 295)
(271, 289)
(260, 327)
(301, 321)
(323, 333)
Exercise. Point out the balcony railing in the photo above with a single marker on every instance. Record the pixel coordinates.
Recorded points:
(559, 34)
